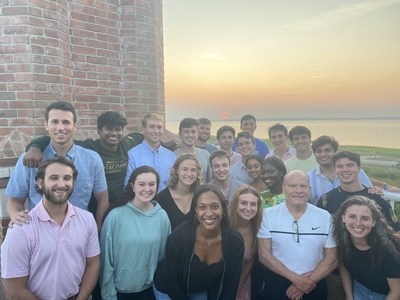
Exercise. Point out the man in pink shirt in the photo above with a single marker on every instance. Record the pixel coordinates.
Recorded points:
(56, 255)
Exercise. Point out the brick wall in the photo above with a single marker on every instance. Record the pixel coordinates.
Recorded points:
(98, 54)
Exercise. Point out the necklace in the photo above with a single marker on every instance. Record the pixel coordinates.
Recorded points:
(216, 239)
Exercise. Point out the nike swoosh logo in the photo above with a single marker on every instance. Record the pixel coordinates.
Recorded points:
(315, 228)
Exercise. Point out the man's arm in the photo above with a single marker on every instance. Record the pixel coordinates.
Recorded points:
(34, 151)
(16, 289)
(102, 207)
(35, 148)
(326, 265)
(302, 282)
(17, 212)
(89, 278)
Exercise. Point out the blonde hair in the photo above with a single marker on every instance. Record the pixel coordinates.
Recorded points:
(173, 175)
(153, 116)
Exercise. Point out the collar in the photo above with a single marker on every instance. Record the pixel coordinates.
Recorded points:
(71, 154)
(43, 215)
(149, 148)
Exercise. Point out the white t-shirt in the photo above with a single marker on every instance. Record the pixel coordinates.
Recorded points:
(299, 247)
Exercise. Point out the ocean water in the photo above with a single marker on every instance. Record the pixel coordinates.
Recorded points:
(359, 132)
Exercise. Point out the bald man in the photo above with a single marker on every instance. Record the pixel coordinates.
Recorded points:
(296, 245)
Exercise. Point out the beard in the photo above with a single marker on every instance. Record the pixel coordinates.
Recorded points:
(203, 139)
(54, 198)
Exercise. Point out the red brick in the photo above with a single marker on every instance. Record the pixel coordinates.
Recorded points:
(6, 77)
(92, 83)
(25, 96)
(13, 11)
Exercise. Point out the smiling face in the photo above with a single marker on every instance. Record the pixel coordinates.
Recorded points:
(153, 132)
(358, 221)
(301, 142)
(209, 211)
(271, 176)
(61, 127)
(204, 132)
(247, 206)
(188, 136)
(226, 140)
(324, 154)
(253, 168)
(187, 172)
(245, 146)
(145, 188)
(296, 189)
(58, 183)
(278, 139)
(220, 168)
(347, 170)
(110, 136)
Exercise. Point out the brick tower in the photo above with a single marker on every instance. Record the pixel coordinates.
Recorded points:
(98, 54)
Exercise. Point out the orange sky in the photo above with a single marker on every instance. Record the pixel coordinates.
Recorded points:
(282, 58)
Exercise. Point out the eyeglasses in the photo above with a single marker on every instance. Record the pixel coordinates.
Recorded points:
(296, 235)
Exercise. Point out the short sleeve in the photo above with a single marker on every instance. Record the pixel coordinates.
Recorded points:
(264, 232)
(391, 267)
(15, 253)
(330, 241)
(93, 246)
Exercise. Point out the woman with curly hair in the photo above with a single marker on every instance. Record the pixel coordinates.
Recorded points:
(176, 199)
(245, 214)
(369, 251)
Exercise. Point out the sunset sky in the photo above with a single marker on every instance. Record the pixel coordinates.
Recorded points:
(279, 59)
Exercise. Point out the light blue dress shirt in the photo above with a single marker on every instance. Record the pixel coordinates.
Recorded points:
(239, 172)
(91, 177)
(160, 159)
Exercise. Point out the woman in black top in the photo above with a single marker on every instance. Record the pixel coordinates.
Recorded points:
(176, 199)
(369, 251)
(204, 256)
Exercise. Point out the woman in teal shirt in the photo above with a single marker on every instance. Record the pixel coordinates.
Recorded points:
(133, 239)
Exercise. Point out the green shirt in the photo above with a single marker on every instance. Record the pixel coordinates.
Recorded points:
(269, 199)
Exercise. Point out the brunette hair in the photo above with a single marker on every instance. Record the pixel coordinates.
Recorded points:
(233, 216)
(61, 105)
(128, 193)
(382, 239)
(41, 171)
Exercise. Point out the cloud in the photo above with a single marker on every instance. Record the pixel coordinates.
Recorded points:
(339, 15)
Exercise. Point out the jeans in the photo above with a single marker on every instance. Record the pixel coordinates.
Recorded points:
(162, 296)
(360, 292)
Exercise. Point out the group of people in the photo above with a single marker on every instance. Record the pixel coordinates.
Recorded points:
(237, 221)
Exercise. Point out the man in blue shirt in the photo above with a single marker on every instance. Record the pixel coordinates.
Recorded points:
(203, 135)
(248, 123)
(245, 141)
(150, 152)
(61, 124)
